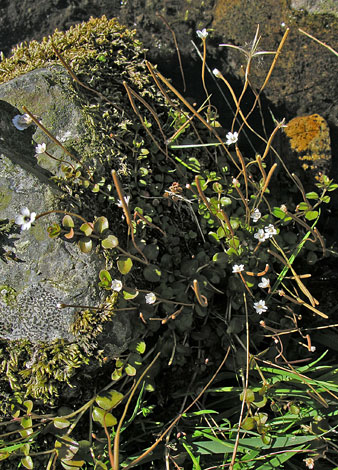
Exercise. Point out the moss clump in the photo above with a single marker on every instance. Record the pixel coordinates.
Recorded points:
(78, 45)
(42, 370)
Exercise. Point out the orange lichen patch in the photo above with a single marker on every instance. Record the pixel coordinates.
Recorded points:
(307, 132)
(309, 137)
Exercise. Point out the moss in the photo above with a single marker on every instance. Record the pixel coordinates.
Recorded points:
(42, 370)
(8, 295)
(77, 45)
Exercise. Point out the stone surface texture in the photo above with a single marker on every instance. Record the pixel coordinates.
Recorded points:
(304, 79)
(37, 272)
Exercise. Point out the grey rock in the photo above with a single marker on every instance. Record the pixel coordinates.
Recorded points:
(304, 77)
(36, 272)
(47, 93)
(316, 6)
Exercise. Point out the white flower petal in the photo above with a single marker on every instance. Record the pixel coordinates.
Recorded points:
(231, 138)
(25, 219)
(265, 282)
(256, 215)
(260, 306)
(116, 285)
(237, 268)
(22, 121)
(40, 148)
(202, 34)
(150, 298)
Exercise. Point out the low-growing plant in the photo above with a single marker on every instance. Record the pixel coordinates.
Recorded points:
(207, 254)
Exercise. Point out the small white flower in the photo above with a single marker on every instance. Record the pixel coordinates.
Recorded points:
(202, 34)
(256, 215)
(235, 182)
(217, 73)
(265, 282)
(270, 231)
(231, 138)
(260, 306)
(25, 219)
(22, 121)
(126, 199)
(116, 285)
(313, 348)
(150, 298)
(40, 148)
(261, 235)
(283, 208)
(237, 268)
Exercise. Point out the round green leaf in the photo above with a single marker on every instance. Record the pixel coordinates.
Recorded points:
(250, 396)
(26, 423)
(66, 448)
(124, 265)
(117, 374)
(312, 195)
(100, 416)
(278, 212)
(87, 229)
(61, 423)
(303, 206)
(130, 370)
(72, 464)
(311, 215)
(105, 277)
(85, 244)
(67, 221)
(110, 242)
(27, 462)
(109, 400)
(248, 424)
(129, 295)
(101, 224)
(25, 448)
(28, 404)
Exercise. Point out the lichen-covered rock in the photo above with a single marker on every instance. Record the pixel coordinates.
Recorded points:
(308, 147)
(96, 135)
(37, 272)
(48, 92)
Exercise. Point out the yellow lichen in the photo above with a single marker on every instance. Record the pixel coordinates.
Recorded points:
(309, 137)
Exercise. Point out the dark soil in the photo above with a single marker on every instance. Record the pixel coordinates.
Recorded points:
(24, 20)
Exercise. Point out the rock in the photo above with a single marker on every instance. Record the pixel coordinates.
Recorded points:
(304, 78)
(38, 272)
(44, 92)
(316, 6)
